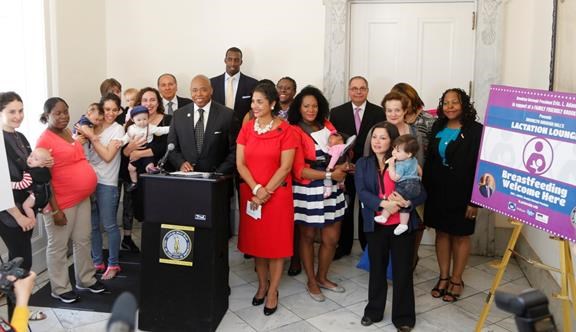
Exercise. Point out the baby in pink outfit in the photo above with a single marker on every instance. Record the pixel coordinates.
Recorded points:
(336, 149)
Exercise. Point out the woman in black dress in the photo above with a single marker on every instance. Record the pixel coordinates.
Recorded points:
(448, 178)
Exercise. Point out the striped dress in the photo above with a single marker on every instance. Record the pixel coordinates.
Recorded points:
(310, 206)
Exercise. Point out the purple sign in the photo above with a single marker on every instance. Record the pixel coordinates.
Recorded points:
(527, 164)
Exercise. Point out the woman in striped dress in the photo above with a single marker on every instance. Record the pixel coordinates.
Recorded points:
(308, 115)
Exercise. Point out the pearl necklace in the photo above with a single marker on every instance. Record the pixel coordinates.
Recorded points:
(264, 130)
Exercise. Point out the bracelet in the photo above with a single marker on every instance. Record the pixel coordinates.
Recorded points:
(256, 188)
(54, 212)
(328, 176)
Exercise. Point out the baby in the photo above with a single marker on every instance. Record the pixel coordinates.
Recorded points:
(141, 128)
(336, 149)
(93, 117)
(130, 98)
(37, 180)
(404, 170)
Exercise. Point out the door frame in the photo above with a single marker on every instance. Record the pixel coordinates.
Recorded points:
(487, 70)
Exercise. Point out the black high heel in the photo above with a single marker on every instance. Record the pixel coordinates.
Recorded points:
(270, 311)
(256, 301)
(450, 296)
(441, 291)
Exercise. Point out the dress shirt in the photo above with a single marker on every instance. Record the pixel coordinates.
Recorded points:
(174, 103)
(206, 112)
(362, 109)
(235, 83)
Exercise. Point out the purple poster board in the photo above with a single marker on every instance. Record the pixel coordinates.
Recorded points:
(527, 164)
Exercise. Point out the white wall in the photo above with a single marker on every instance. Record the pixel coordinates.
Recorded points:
(526, 63)
(278, 38)
(76, 46)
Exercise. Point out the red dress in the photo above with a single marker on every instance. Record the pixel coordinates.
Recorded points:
(271, 236)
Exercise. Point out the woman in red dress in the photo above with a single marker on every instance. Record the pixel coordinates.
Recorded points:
(264, 155)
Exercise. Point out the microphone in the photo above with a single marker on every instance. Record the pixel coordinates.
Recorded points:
(162, 161)
(123, 316)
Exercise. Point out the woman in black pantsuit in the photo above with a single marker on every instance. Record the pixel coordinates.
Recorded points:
(376, 192)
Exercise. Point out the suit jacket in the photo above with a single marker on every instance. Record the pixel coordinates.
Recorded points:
(243, 99)
(183, 101)
(219, 148)
(342, 117)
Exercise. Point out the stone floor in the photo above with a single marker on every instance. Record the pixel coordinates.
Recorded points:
(340, 312)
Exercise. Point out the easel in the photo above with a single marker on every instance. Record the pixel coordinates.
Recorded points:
(567, 283)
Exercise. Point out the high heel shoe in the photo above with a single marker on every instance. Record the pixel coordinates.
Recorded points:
(450, 296)
(438, 292)
(256, 301)
(270, 311)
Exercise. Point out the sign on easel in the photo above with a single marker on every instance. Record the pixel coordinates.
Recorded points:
(527, 163)
(527, 171)
(6, 198)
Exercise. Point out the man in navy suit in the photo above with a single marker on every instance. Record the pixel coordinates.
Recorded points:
(233, 88)
(168, 87)
(355, 117)
(211, 148)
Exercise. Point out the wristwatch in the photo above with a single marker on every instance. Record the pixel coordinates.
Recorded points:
(328, 176)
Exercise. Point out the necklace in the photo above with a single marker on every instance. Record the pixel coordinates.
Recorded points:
(264, 130)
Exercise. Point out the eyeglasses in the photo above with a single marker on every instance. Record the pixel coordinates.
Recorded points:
(355, 89)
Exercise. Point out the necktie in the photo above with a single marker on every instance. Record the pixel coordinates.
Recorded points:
(357, 120)
(230, 93)
(170, 110)
(199, 131)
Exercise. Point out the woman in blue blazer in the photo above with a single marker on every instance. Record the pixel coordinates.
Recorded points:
(376, 192)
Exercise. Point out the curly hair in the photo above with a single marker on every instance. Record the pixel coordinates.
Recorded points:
(469, 113)
(294, 115)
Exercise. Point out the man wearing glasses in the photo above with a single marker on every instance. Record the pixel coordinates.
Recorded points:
(355, 117)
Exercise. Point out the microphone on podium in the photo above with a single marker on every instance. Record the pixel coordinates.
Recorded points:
(123, 316)
(162, 161)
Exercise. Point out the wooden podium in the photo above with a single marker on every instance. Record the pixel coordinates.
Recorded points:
(184, 275)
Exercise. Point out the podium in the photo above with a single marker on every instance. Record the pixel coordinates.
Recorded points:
(184, 274)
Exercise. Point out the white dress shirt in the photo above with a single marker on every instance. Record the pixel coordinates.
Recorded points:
(206, 112)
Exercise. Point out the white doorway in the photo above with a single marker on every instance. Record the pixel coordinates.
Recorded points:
(428, 44)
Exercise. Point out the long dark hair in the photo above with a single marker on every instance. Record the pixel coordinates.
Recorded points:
(469, 113)
(392, 133)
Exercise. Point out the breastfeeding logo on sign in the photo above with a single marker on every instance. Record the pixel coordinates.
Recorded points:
(527, 164)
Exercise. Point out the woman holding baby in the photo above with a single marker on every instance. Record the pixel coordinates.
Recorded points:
(104, 156)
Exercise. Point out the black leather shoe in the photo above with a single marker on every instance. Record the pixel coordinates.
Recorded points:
(256, 301)
(270, 311)
(366, 321)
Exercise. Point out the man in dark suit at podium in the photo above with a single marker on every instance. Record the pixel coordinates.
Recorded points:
(201, 133)
(168, 86)
(233, 88)
(355, 117)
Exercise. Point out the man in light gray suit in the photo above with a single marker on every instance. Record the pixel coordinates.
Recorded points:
(201, 133)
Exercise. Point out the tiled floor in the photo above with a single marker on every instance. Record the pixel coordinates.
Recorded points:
(340, 312)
